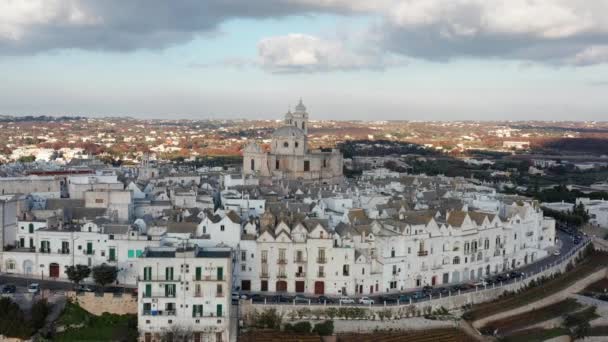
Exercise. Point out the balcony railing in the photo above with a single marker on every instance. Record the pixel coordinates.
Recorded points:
(220, 295)
(44, 250)
(299, 260)
(282, 261)
(321, 260)
(263, 274)
(423, 253)
(321, 274)
(160, 279)
(63, 251)
(89, 252)
(159, 313)
(282, 275)
(300, 274)
(208, 278)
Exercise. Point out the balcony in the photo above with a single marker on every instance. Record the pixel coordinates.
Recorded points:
(198, 294)
(300, 274)
(321, 260)
(219, 295)
(89, 252)
(263, 274)
(282, 261)
(282, 275)
(320, 274)
(44, 250)
(208, 278)
(423, 253)
(158, 313)
(162, 279)
(299, 260)
(63, 251)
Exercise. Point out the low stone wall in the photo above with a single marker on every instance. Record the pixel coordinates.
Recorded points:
(97, 304)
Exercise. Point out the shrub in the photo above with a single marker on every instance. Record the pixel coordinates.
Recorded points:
(324, 329)
(331, 313)
(303, 312)
(268, 319)
(40, 310)
(302, 328)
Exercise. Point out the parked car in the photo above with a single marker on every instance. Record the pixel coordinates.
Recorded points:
(346, 300)
(481, 283)
(404, 298)
(515, 274)
(83, 288)
(556, 252)
(33, 288)
(9, 288)
(366, 301)
(417, 295)
(427, 288)
(256, 298)
(235, 296)
(301, 299)
(387, 299)
(325, 299)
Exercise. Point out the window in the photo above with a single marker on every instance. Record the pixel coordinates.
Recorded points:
(148, 273)
(243, 255)
(169, 273)
(297, 144)
(307, 165)
(276, 164)
(456, 260)
(198, 273)
(220, 273)
(148, 290)
(345, 270)
(219, 291)
(286, 144)
(394, 269)
(147, 308)
(169, 290)
(222, 228)
(131, 253)
(139, 253)
(243, 267)
(31, 228)
(197, 310)
(99, 200)
(112, 256)
(303, 125)
(218, 310)
(392, 252)
(252, 164)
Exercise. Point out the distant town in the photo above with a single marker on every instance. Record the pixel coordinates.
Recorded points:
(218, 230)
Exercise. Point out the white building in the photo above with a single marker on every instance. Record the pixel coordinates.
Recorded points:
(184, 291)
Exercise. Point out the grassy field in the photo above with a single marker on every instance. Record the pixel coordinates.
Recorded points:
(591, 264)
(535, 335)
(107, 327)
(435, 335)
(526, 319)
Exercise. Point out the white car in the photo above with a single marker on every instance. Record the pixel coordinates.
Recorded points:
(346, 300)
(33, 288)
(556, 252)
(366, 301)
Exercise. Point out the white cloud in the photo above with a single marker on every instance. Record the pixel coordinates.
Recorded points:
(306, 53)
(592, 55)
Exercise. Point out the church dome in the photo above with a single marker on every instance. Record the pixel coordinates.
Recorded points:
(287, 131)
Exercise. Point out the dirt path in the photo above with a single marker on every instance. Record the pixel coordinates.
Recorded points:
(554, 298)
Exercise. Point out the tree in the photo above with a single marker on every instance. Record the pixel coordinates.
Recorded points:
(104, 274)
(40, 310)
(324, 329)
(77, 273)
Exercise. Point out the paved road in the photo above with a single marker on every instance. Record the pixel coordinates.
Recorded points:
(44, 284)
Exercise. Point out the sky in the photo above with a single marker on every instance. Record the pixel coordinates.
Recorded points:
(347, 59)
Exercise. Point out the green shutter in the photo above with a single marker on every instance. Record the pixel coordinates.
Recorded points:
(218, 311)
(139, 252)
(112, 254)
(147, 273)
(148, 292)
(89, 248)
(220, 273)
(130, 253)
(199, 272)
(169, 273)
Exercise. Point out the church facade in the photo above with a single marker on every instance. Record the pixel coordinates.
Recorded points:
(289, 157)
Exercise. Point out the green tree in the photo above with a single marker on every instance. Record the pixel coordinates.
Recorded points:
(324, 329)
(104, 274)
(40, 310)
(78, 273)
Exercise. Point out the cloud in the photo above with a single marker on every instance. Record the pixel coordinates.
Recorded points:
(305, 53)
(549, 31)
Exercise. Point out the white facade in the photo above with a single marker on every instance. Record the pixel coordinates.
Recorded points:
(184, 291)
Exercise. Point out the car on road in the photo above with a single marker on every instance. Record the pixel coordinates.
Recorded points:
(556, 252)
(256, 298)
(346, 300)
(9, 288)
(387, 299)
(235, 296)
(366, 301)
(301, 299)
(325, 299)
(403, 298)
(83, 288)
(427, 288)
(33, 288)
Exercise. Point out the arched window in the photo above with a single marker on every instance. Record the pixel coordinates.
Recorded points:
(286, 144)
(252, 164)
(11, 265)
(456, 260)
(486, 243)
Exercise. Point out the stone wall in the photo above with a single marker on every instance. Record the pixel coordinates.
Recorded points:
(96, 304)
